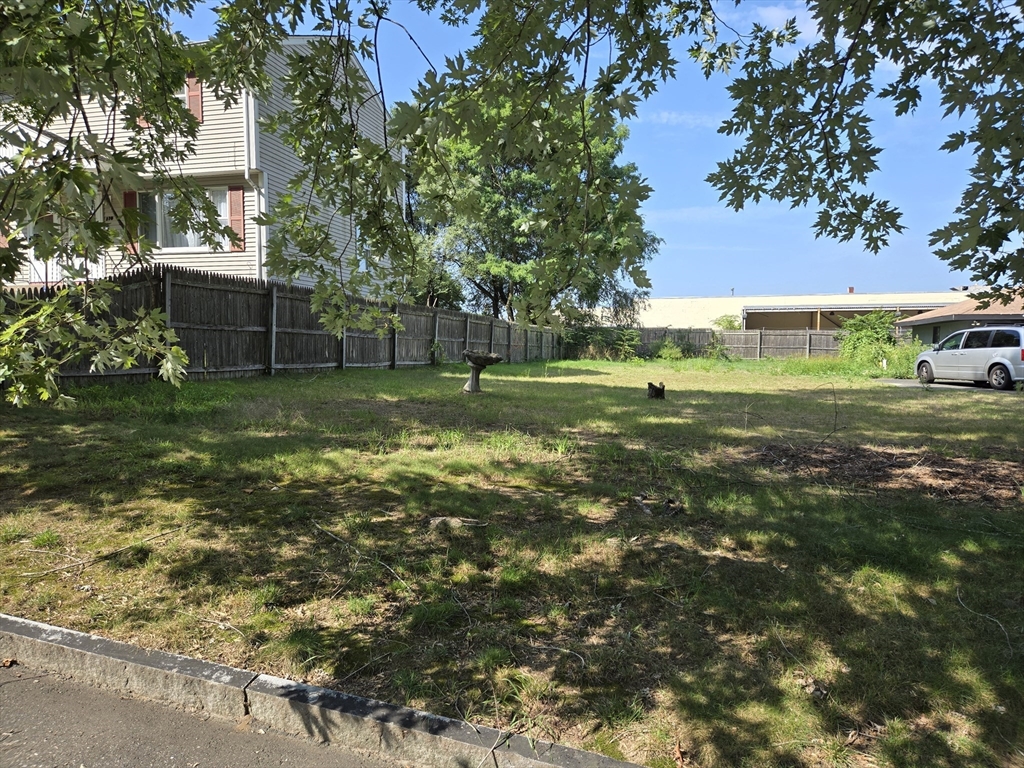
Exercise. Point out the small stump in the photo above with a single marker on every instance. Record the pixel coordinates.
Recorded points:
(477, 362)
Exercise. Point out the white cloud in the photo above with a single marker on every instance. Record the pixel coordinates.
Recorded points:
(776, 16)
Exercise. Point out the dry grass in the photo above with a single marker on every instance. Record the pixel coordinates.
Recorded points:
(766, 569)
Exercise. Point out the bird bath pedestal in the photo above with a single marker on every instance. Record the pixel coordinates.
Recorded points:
(477, 362)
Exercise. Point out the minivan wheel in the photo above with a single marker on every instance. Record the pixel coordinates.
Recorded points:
(999, 377)
(925, 373)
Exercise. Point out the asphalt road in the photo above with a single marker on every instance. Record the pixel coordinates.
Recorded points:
(50, 722)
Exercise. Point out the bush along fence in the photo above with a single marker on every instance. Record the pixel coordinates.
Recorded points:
(232, 327)
(746, 345)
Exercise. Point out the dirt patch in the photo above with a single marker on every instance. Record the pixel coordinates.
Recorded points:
(989, 481)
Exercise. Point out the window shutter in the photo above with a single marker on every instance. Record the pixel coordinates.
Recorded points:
(236, 215)
(194, 96)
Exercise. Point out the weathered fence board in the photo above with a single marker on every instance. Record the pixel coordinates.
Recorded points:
(748, 345)
(232, 327)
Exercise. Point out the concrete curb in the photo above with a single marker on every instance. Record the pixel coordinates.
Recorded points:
(355, 723)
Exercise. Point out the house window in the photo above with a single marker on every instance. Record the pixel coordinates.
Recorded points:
(160, 228)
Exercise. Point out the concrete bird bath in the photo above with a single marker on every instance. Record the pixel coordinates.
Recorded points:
(477, 362)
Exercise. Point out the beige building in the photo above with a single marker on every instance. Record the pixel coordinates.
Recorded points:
(819, 312)
(245, 169)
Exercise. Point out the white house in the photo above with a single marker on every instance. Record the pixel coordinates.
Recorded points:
(245, 169)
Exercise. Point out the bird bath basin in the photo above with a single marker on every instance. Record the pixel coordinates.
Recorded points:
(477, 362)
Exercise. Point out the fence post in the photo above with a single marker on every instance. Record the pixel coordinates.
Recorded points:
(434, 340)
(526, 344)
(808, 343)
(490, 345)
(394, 340)
(272, 331)
(759, 345)
(466, 345)
(167, 296)
(509, 328)
(344, 347)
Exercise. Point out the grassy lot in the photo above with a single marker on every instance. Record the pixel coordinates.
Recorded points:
(764, 569)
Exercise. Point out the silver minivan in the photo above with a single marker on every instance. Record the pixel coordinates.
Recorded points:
(992, 353)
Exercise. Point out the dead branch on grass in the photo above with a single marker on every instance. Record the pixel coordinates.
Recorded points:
(376, 560)
(216, 622)
(561, 650)
(83, 564)
(990, 618)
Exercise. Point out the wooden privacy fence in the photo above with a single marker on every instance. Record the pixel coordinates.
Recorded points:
(749, 345)
(231, 327)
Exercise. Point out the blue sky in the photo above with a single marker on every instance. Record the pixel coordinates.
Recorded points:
(708, 249)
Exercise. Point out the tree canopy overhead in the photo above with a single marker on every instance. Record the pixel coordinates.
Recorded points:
(540, 78)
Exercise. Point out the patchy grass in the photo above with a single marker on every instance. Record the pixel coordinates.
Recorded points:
(765, 569)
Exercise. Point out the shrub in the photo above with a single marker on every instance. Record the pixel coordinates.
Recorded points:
(868, 338)
(727, 323)
(590, 343)
(901, 358)
(666, 349)
(715, 349)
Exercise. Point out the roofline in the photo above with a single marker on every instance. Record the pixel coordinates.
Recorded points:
(953, 295)
(987, 317)
(844, 307)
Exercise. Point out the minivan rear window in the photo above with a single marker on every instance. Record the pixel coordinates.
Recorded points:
(1006, 339)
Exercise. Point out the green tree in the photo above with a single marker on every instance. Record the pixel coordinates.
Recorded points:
(523, 234)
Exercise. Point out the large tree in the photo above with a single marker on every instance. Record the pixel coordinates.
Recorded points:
(803, 114)
(529, 244)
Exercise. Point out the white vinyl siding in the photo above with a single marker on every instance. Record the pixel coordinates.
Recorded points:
(220, 147)
(280, 164)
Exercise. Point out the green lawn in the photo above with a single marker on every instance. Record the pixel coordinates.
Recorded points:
(767, 569)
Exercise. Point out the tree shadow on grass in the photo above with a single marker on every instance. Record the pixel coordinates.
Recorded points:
(754, 612)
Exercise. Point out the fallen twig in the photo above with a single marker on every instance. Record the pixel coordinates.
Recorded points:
(986, 616)
(789, 652)
(360, 669)
(219, 624)
(835, 420)
(375, 559)
(1012, 745)
(501, 737)
(562, 650)
(51, 552)
(83, 564)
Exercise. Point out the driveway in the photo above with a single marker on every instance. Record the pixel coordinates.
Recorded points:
(963, 386)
